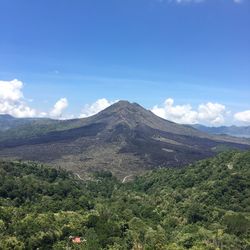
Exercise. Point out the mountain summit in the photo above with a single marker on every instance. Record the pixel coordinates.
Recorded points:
(124, 138)
(134, 115)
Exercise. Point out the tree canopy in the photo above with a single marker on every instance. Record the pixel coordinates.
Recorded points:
(203, 206)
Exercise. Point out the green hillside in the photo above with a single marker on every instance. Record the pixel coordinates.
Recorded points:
(203, 206)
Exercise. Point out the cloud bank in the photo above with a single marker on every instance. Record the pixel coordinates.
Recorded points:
(12, 102)
(198, 1)
(187, 1)
(209, 113)
(59, 107)
(243, 116)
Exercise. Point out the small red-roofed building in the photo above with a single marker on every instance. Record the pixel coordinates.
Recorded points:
(76, 240)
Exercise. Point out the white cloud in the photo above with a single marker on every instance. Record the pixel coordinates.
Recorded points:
(59, 107)
(197, 1)
(243, 116)
(238, 1)
(209, 113)
(99, 105)
(188, 1)
(11, 90)
(12, 101)
(179, 113)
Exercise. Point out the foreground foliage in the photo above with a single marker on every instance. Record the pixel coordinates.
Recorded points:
(204, 206)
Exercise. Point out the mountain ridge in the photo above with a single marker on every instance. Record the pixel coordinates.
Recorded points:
(237, 131)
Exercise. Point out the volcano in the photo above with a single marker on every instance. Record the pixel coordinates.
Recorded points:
(125, 139)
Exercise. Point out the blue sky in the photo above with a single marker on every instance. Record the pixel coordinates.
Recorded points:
(145, 51)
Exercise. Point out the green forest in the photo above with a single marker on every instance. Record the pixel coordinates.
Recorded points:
(205, 205)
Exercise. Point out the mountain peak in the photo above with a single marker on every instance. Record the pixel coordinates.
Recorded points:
(124, 107)
(125, 104)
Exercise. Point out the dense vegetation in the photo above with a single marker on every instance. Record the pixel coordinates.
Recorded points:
(203, 206)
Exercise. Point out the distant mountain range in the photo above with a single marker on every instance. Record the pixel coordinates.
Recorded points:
(243, 131)
(9, 122)
(125, 138)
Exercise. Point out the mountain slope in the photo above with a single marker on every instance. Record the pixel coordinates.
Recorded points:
(19, 128)
(8, 122)
(124, 138)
